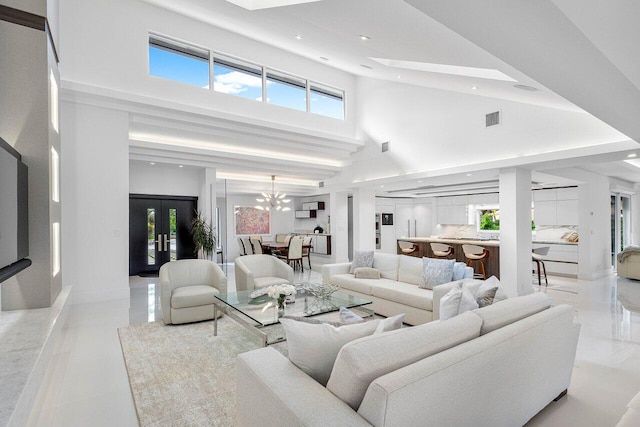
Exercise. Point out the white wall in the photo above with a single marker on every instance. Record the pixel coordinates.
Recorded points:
(321, 219)
(281, 222)
(164, 179)
(95, 183)
(98, 54)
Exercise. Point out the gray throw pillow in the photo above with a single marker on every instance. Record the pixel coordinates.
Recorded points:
(487, 297)
(361, 259)
(436, 272)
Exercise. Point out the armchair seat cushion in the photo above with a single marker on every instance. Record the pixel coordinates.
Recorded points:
(193, 296)
(263, 282)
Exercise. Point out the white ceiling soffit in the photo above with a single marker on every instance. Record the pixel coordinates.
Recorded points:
(266, 4)
(482, 73)
(553, 43)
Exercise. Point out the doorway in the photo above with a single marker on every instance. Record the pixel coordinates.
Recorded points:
(159, 231)
(620, 224)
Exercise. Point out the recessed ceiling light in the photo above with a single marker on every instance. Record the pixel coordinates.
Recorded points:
(631, 156)
(363, 37)
(324, 58)
(366, 66)
(525, 87)
(180, 166)
(469, 174)
(419, 181)
(398, 76)
(298, 36)
(474, 87)
(382, 186)
(152, 163)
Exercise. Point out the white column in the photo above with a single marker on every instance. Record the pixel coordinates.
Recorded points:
(364, 219)
(515, 230)
(594, 247)
(339, 226)
(207, 200)
(635, 216)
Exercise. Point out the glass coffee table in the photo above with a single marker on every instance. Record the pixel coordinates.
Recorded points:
(256, 313)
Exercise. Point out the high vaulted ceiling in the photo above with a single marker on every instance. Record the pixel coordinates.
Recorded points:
(580, 55)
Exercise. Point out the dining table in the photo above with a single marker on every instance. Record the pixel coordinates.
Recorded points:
(280, 247)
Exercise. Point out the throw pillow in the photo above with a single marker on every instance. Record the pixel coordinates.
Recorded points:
(366, 273)
(459, 269)
(457, 301)
(436, 272)
(362, 259)
(390, 324)
(492, 282)
(314, 348)
(486, 298)
(348, 317)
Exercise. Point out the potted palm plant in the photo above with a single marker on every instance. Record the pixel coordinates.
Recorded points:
(204, 236)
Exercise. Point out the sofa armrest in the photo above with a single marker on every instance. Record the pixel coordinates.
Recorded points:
(219, 280)
(329, 270)
(271, 391)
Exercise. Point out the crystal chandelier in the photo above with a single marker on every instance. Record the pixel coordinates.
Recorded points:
(273, 200)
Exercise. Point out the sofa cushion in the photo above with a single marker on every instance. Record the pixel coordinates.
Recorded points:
(409, 269)
(263, 282)
(505, 312)
(365, 359)
(314, 348)
(458, 271)
(193, 296)
(366, 273)
(361, 259)
(348, 281)
(436, 272)
(387, 264)
(404, 293)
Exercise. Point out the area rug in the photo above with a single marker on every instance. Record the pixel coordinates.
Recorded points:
(183, 375)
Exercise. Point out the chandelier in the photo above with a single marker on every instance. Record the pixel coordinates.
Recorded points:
(273, 200)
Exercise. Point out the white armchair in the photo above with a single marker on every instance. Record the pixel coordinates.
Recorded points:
(259, 271)
(188, 288)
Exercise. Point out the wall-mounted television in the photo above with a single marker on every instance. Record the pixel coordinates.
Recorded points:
(14, 212)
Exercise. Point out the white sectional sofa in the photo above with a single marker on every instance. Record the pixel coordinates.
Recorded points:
(397, 289)
(631, 418)
(481, 368)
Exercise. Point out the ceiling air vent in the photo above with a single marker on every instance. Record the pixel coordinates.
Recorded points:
(385, 147)
(493, 119)
(321, 184)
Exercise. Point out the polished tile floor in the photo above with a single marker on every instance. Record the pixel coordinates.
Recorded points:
(86, 382)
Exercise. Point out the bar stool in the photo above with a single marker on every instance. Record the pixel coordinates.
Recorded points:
(537, 256)
(440, 250)
(478, 254)
(407, 248)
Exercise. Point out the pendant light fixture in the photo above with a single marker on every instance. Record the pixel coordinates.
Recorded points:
(273, 200)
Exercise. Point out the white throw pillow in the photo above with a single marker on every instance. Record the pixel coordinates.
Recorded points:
(436, 272)
(347, 316)
(390, 323)
(361, 259)
(314, 348)
(457, 301)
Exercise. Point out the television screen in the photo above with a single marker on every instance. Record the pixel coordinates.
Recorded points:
(14, 222)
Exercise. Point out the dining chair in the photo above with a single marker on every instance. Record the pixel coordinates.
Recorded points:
(247, 245)
(243, 250)
(294, 252)
(257, 246)
(287, 238)
(306, 248)
(280, 238)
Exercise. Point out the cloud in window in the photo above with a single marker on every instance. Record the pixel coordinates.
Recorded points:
(236, 82)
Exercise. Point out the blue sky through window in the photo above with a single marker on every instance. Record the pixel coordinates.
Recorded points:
(181, 68)
(326, 105)
(234, 82)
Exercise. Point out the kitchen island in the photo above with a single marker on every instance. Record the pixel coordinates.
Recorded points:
(492, 263)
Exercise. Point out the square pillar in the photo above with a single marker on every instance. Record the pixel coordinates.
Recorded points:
(364, 219)
(515, 231)
(338, 210)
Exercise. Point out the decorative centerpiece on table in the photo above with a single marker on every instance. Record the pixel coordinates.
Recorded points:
(319, 290)
(280, 293)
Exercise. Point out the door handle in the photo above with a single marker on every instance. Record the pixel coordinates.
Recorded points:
(166, 242)
(159, 242)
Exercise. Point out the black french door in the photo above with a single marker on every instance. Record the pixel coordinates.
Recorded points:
(159, 231)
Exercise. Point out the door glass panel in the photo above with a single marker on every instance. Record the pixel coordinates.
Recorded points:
(151, 236)
(173, 234)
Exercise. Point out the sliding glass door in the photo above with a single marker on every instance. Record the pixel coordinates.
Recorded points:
(620, 224)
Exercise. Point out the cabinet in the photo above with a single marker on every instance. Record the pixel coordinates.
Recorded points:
(452, 214)
(567, 212)
(306, 214)
(313, 206)
(557, 206)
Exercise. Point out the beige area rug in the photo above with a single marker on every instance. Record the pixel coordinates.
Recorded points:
(183, 375)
